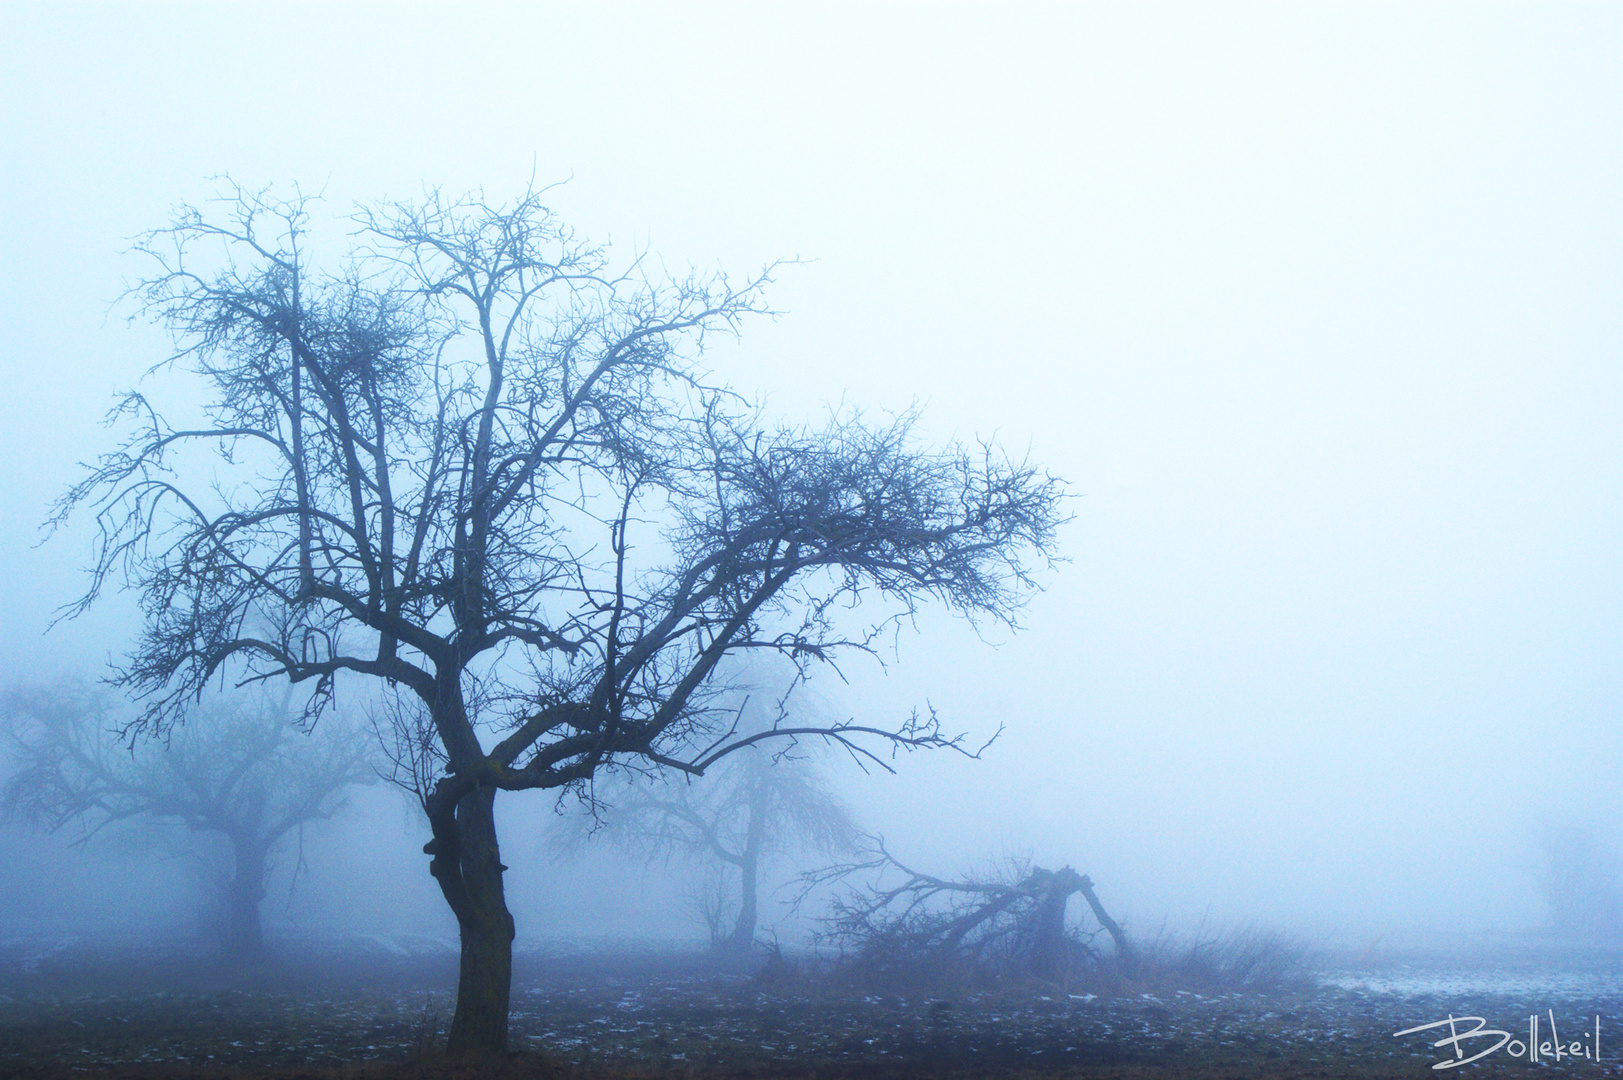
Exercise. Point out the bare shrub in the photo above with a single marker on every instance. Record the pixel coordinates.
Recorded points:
(1243, 958)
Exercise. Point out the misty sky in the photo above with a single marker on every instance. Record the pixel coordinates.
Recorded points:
(1317, 307)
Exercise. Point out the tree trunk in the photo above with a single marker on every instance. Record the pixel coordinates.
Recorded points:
(467, 864)
(1124, 948)
(743, 936)
(244, 938)
(749, 868)
(1049, 959)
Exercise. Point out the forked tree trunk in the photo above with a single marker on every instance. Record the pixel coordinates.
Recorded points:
(467, 864)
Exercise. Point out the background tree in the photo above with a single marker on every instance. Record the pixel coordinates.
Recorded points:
(757, 806)
(473, 462)
(1582, 879)
(240, 768)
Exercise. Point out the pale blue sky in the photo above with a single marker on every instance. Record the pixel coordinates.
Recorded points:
(1316, 305)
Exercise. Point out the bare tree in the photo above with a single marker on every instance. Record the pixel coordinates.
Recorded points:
(1582, 879)
(242, 769)
(473, 462)
(897, 921)
(758, 807)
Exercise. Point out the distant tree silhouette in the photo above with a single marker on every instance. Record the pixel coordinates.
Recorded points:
(240, 768)
(1583, 881)
(757, 807)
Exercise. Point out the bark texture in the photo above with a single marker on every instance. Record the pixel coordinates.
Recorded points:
(467, 864)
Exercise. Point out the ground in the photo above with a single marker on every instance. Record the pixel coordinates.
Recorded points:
(377, 1009)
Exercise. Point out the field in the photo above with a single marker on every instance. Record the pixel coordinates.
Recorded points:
(363, 1008)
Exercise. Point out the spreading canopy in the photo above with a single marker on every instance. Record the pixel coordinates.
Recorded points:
(471, 454)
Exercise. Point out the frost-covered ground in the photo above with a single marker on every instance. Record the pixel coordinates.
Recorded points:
(1525, 967)
(130, 1004)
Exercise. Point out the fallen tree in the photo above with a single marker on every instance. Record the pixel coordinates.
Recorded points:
(893, 923)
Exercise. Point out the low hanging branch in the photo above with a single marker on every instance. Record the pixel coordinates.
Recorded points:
(894, 920)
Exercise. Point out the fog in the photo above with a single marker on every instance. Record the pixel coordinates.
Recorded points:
(1315, 307)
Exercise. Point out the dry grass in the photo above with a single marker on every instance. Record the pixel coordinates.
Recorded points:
(1245, 959)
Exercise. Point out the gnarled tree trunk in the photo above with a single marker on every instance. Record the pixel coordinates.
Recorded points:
(467, 864)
